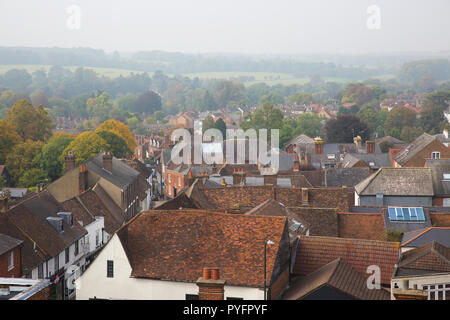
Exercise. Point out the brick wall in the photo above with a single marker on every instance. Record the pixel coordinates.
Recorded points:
(44, 294)
(16, 271)
(419, 159)
(279, 285)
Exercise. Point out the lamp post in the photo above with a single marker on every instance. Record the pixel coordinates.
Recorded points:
(265, 258)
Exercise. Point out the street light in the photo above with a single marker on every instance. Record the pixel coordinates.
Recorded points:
(270, 242)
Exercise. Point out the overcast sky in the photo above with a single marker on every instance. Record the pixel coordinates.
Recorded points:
(238, 26)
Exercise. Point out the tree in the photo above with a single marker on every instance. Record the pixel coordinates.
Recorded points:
(20, 159)
(121, 130)
(148, 103)
(99, 106)
(398, 118)
(221, 126)
(85, 146)
(229, 93)
(118, 146)
(433, 111)
(309, 124)
(409, 134)
(344, 128)
(8, 139)
(265, 117)
(207, 123)
(369, 116)
(39, 98)
(48, 159)
(358, 94)
(32, 177)
(30, 122)
(301, 98)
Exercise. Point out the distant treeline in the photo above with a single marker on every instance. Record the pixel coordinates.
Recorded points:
(178, 63)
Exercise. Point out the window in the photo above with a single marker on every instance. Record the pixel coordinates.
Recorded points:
(41, 271)
(435, 155)
(331, 156)
(110, 269)
(97, 238)
(67, 255)
(446, 202)
(234, 298)
(170, 178)
(446, 177)
(192, 297)
(11, 261)
(77, 248)
(179, 181)
(406, 214)
(56, 263)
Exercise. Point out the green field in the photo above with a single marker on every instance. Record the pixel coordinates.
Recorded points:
(107, 72)
(270, 78)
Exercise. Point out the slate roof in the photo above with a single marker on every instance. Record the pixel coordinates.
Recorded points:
(250, 181)
(404, 226)
(379, 160)
(122, 174)
(317, 221)
(176, 245)
(438, 168)
(338, 177)
(389, 139)
(315, 252)
(420, 237)
(398, 182)
(8, 243)
(30, 217)
(300, 139)
(413, 148)
(338, 275)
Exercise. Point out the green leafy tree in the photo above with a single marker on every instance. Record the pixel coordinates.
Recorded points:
(409, 134)
(30, 122)
(221, 126)
(32, 177)
(398, 118)
(148, 103)
(433, 111)
(208, 123)
(85, 146)
(309, 124)
(301, 98)
(265, 117)
(118, 146)
(48, 159)
(344, 128)
(121, 130)
(99, 106)
(20, 159)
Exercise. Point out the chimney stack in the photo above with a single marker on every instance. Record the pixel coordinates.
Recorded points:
(318, 145)
(238, 176)
(296, 166)
(370, 146)
(210, 286)
(305, 199)
(83, 179)
(69, 161)
(270, 177)
(107, 161)
(3, 202)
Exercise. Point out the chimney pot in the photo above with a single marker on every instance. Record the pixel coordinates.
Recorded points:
(206, 273)
(215, 274)
(107, 162)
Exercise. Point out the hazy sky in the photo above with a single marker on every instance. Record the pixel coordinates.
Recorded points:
(244, 26)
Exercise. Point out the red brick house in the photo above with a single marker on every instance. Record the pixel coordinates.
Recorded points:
(10, 257)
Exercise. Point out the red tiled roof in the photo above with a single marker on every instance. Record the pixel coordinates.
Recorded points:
(176, 245)
(339, 275)
(314, 252)
(368, 226)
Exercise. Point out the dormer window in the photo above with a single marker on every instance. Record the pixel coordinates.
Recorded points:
(435, 155)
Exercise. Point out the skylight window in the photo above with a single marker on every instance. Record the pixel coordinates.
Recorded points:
(406, 214)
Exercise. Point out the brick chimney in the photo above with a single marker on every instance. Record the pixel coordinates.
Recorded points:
(318, 145)
(305, 197)
(238, 176)
(296, 166)
(83, 179)
(270, 178)
(107, 162)
(370, 146)
(69, 161)
(210, 286)
(3, 203)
